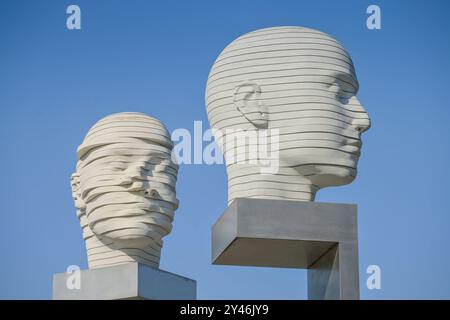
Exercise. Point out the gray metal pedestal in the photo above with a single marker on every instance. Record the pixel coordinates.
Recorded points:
(320, 237)
(126, 281)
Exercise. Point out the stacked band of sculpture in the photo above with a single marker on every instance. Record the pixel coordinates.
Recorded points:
(301, 82)
(124, 189)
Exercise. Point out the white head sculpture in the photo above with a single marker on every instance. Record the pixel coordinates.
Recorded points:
(301, 82)
(124, 189)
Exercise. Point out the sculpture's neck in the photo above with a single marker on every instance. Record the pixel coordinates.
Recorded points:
(100, 254)
(245, 181)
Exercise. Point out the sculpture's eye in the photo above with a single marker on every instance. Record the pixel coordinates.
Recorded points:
(117, 167)
(343, 98)
(338, 92)
(152, 194)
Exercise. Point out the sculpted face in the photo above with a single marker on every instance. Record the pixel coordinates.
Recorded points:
(124, 186)
(321, 135)
(303, 83)
(128, 197)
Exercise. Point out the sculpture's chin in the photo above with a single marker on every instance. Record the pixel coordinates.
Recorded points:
(130, 226)
(140, 236)
(329, 176)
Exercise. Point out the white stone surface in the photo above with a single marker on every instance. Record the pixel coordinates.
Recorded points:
(302, 82)
(125, 281)
(124, 189)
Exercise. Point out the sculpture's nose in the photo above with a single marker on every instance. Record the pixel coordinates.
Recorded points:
(362, 122)
(132, 177)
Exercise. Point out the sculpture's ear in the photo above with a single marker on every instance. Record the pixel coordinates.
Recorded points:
(247, 100)
(76, 194)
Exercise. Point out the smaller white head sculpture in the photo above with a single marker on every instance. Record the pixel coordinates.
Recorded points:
(300, 85)
(124, 189)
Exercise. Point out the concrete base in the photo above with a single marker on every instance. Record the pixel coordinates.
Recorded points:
(126, 281)
(320, 237)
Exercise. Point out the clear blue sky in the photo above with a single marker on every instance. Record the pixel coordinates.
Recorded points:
(154, 57)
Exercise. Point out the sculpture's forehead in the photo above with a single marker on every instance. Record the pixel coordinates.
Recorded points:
(276, 54)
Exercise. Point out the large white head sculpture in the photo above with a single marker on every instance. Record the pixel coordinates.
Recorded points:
(124, 189)
(302, 83)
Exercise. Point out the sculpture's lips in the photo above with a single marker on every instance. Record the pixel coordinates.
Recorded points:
(354, 142)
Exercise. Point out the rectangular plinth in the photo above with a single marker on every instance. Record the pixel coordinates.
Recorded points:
(125, 281)
(320, 237)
